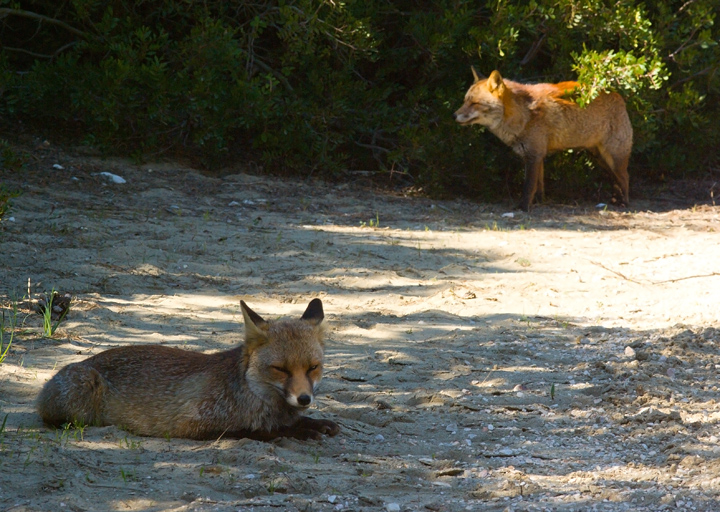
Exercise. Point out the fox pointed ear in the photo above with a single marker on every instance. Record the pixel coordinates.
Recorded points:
(255, 327)
(476, 76)
(495, 82)
(314, 312)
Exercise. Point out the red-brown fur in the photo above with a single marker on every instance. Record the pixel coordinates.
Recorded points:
(256, 390)
(537, 119)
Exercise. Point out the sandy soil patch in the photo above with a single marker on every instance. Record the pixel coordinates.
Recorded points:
(562, 360)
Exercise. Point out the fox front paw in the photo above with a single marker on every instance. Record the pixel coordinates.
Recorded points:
(327, 427)
(304, 434)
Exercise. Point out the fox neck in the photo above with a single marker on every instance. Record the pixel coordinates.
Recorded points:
(513, 122)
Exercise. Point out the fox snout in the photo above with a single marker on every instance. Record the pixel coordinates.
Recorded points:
(464, 115)
(302, 401)
(299, 386)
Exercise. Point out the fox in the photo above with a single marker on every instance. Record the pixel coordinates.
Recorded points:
(257, 390)
(537, 119)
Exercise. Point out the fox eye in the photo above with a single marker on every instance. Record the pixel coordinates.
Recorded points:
(313, 368)
(281, 370)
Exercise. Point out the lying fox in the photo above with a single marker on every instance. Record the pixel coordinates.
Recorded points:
(535, 120)
(256, 390)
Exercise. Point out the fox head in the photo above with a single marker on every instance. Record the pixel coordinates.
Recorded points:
(484, 103)
(285, 357)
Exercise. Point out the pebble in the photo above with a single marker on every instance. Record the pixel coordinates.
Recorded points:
(392, 507)
(629, 352)
(113, 177)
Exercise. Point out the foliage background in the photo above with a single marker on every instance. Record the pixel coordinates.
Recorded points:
(330, 87)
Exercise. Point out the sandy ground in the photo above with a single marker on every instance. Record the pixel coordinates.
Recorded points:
(563, 360)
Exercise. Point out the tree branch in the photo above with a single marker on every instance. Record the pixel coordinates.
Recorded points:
(5, 12)
(39, 55)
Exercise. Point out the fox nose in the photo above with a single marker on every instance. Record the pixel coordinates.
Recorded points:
(304, 400)
(455, 116)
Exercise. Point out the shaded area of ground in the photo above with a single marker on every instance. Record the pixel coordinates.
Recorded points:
(562, 360)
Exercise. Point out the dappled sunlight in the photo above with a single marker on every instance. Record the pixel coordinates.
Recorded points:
(502, 360)
(136, 503)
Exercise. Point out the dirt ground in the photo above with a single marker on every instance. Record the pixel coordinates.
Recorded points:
(562, 360)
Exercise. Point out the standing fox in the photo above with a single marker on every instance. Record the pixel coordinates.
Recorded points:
(535, 120)
(256, 390)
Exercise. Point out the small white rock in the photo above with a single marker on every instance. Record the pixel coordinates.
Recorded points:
(233, 203)
(380, 438)
(508, 215)
(113, 177)
(600, 205)
(58, 167)
(332, 498)
(629, 352)
(392, 507)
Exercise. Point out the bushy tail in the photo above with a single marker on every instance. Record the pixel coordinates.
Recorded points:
(73, 395)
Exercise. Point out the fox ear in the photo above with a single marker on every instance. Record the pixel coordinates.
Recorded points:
(255, 327)
(314, 312)
(495, 82)
(477, 76)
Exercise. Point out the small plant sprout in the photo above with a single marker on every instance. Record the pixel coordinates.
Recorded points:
(53, 305)
(523, 262)
(372, 223)
(8, 324)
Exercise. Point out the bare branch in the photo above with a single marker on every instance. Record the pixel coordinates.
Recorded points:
(5, 12)
(40, 55)
(274, 73)
(691, 77)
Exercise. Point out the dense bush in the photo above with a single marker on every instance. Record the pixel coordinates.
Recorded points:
(315, 86)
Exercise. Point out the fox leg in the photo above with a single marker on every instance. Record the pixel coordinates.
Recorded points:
(327, 427)
(309, 428)
(304, 428)
(622, 177)
(533, 176)
(617, 165)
